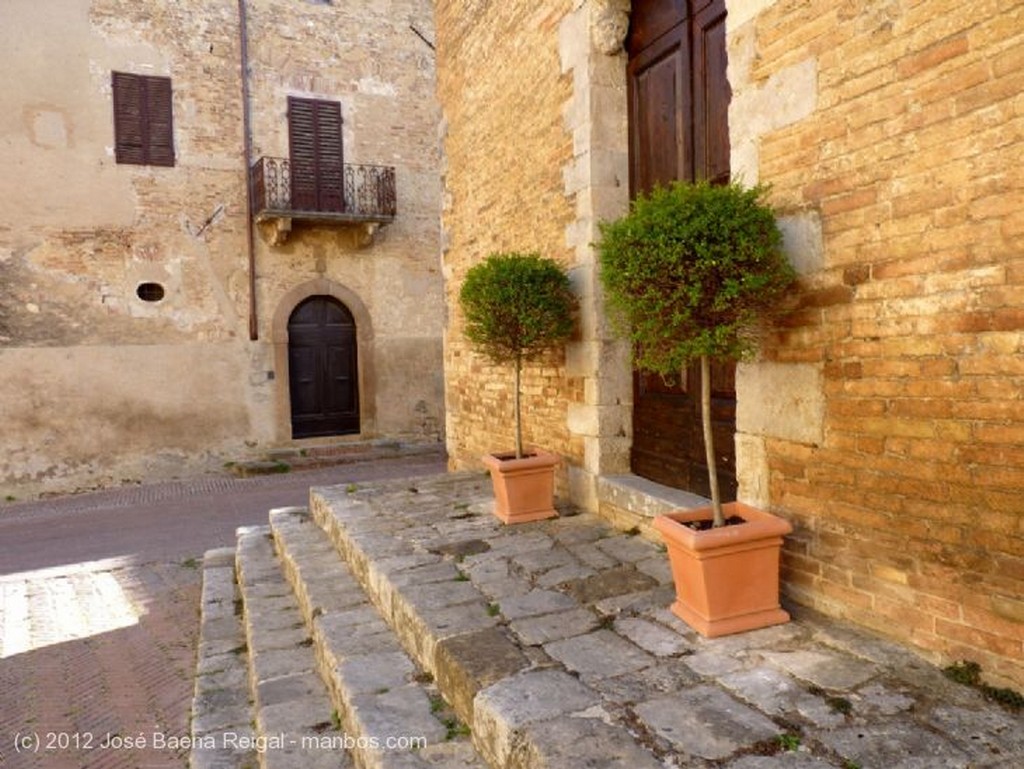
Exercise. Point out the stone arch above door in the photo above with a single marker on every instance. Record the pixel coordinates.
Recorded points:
(364, 344)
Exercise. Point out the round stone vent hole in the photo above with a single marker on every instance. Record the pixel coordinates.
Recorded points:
(150, 292)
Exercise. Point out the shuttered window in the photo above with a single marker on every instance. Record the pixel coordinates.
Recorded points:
(143, 121)
(317, 167)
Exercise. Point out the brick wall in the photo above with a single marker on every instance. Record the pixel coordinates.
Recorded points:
(505, 148)
(910, 511)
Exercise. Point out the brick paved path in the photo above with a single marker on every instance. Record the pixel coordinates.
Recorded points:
(106, 648)
(99, 611)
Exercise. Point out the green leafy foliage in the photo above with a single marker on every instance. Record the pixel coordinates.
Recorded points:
(968, 673)
(517, 305)
(689, 271)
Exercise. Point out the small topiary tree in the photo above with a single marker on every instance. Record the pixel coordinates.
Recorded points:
(688, 272)
(517, 305)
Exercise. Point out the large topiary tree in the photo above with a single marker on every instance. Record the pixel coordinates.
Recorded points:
(517, 305)
(688, 272)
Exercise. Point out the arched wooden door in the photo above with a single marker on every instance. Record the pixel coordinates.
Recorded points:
(679, 129)
(322, 373)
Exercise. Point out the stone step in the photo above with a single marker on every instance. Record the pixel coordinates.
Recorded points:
(284, 460)
(221, 730)
(437, 566)
(391, 711)
(295, 726)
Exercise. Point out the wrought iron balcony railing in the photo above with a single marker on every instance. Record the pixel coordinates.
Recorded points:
(360, 193)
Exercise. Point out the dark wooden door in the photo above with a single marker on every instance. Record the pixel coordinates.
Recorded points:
(678, 129)
(317, 160)
(322, 371)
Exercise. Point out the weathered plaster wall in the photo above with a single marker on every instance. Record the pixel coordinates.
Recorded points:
(364, 55)
(892, 135)
(81, 232)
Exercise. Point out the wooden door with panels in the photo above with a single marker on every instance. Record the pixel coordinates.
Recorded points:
(322, 369)
(679, 129)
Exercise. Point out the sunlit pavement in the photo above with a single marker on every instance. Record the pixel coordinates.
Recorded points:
(95, 652)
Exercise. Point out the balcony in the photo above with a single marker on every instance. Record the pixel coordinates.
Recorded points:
(361, 196)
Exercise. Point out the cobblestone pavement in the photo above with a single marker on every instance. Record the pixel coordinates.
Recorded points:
(99, 598)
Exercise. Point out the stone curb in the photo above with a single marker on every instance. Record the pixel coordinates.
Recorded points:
(293, 713)
(220, 704)
(523, 712)
(377, 690)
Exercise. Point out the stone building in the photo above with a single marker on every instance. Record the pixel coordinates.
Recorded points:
(142, 332)
(884, 415)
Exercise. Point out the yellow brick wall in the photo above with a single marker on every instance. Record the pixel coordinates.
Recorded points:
(505, 147)
(910, 514)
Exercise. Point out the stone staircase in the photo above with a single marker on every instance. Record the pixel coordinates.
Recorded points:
(401, 625)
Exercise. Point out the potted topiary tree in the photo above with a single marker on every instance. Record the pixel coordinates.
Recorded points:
(689, 273)
(517, 305)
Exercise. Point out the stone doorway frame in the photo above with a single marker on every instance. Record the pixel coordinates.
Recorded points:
(364, 357)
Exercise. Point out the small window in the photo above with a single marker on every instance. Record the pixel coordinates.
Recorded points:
(143, 121)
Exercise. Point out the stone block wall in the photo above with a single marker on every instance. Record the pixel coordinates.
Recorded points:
(98, 386)
(892, 135)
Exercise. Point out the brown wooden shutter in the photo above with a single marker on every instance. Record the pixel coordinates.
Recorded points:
(129, 133)
(159, 113)
(143, 120)
(317, 160)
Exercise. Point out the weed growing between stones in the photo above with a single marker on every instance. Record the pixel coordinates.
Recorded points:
(968, 673)
(788, 742)
(839, 705)
(455, 728)
(493, 610)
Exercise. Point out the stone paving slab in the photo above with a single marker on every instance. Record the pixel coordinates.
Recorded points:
(608, 676)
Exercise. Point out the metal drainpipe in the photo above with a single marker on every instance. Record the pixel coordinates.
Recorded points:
(247, 130)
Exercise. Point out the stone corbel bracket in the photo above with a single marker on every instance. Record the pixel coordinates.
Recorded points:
(609, 25)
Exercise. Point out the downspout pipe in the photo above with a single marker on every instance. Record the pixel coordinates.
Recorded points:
(243, 34)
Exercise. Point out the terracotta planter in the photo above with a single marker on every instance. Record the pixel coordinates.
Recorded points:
(524, 489)
(727, 579)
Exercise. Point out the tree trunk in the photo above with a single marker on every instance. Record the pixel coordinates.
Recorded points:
(709, 440)
(516, 409)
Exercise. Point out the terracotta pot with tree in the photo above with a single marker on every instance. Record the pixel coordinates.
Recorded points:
(517, 306)
(689, 273)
